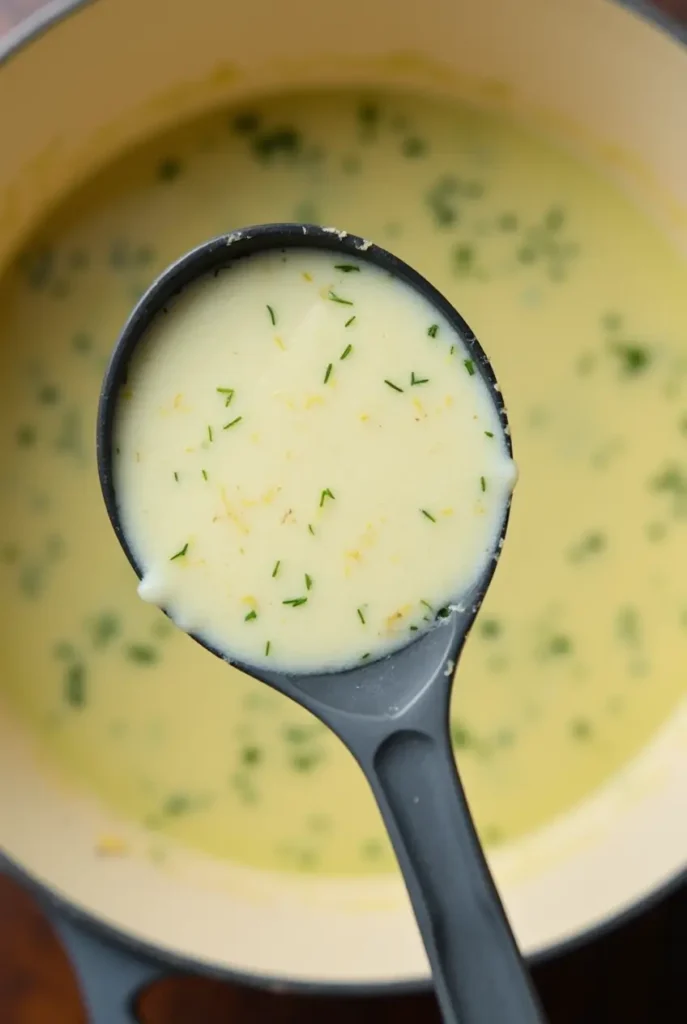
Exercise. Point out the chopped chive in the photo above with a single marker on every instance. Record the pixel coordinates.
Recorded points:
(483, 483)
(228, 393)
(210, 434)
(176, 476)
(428, 515)
(469, 366)
(250, 616)
(327, 373)
(418, 380)
(346, 352)
(348, 268)
(276, 568)
(180, 553)
(326, 493)
(394, 386)
(433, 330)
(426, 604)
(349, 322)
(337, 298)
(311, 529)
(488, 433)
(295, 602)
(413, 629)
(268, 646)
(452, 350)
(308, 582)
(233, 423)
(364, 657)
(205, 474)
(272, 314)
(361, 615)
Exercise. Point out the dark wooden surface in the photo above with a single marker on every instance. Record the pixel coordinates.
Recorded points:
(636, 974)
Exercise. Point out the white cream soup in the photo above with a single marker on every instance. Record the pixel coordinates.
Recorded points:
(582, 305)
(309, 465)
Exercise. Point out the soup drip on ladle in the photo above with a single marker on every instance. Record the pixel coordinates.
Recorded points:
(391, 708)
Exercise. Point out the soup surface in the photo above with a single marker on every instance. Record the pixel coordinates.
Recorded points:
(329, 505)
(576, 657)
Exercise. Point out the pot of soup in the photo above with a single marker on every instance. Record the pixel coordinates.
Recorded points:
(529, 161)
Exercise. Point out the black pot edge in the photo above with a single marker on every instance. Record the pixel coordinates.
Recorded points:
(10, 45)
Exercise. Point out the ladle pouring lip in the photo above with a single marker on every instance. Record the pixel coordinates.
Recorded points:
(218, 254)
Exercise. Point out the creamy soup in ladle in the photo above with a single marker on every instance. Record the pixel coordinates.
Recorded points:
(309, 465)
(577, 656)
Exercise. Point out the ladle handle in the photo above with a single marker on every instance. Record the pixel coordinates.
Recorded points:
(479, 975)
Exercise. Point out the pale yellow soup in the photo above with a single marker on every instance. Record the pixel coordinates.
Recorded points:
(576, 658)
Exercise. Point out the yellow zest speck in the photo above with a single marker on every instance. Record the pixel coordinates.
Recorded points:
(354, 555)
(231, 515)
(189, 450)
(313, 400)
(268, 497)
(448, 401)
(419, 408)
(364, 417)
(178, 399)
(279, 342)
(111, 846)
(307, 276)
(255, 438)
(447, 512)
(395, 620)
(250, 601)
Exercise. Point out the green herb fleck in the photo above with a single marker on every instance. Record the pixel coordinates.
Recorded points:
(507, 222)
(210, 434)
(104, 628)
(591, 544)
(488, 433)
(581, 729)
(142, 654)
(204, 474)
(326, 493)
(464, 258)
(413, 147)
(361, 615)
(559, 644)
(337, 298)
(176, 805)
(306, 761)
(245, 122)
(349, 321)
(433, 330)
(26, 436)
(483, 483)
(311, 529)
(278, 142)
(346, 352)
(426, 604)
(490, 629)
(228, 395)
(169, 169)
(276, 568)
(272, 314)
(176, 476)
(428, 515)
(268, 648)
(295, 602)
(48, 395)
(628, 626)
(460, 735)
(633, 358)
(75, 685)
(364, 657)
(232, 423)
(308, 582)
(82, 342)
(469, 366)
(250, 616)
(327, 372)
(180, 553)
(251, 755)
(347, 268)
(418, 380)
(395, 387)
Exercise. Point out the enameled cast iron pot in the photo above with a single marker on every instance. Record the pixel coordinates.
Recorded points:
(80, 82)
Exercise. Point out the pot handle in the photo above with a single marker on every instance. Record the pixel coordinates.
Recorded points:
(110, 976)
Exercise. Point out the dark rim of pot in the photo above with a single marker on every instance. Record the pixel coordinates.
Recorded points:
(11, 44)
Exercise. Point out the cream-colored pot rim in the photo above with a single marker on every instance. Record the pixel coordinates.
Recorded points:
(408, 970)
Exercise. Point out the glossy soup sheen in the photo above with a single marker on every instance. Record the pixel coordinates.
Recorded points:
(576, 658)
(348, 486)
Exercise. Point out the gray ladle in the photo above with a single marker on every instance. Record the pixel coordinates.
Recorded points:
(392, 714)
